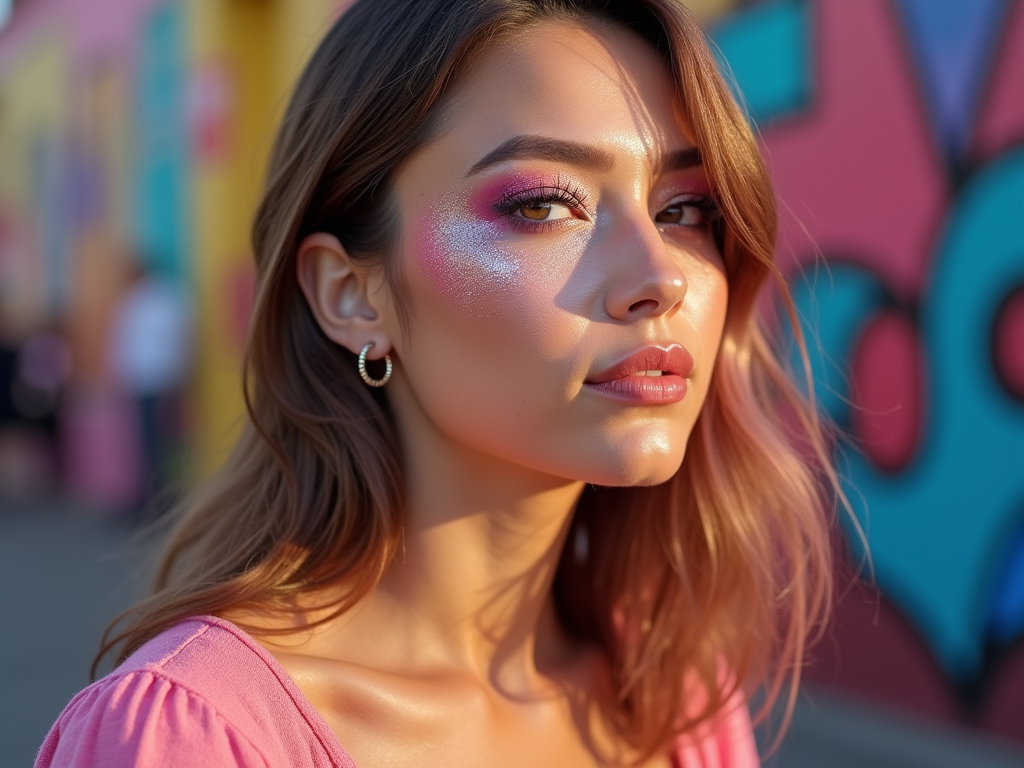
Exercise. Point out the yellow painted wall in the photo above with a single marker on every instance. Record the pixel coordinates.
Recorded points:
(261, 45)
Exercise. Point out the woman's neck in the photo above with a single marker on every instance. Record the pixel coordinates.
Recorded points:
(471, 584)
(469, 588)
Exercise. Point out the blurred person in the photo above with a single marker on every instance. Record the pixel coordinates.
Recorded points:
(33, 373)
(12, 472)
(515, 487)
(151, 354)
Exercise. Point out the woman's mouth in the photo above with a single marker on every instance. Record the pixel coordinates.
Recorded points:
(651, 376)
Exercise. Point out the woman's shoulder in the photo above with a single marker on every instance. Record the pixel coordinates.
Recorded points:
(201, 693)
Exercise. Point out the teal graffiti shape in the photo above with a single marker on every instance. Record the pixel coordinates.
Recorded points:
(935, 528)
(768, 50)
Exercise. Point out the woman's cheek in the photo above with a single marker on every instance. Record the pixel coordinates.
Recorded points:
(461, 262)
(471, 266)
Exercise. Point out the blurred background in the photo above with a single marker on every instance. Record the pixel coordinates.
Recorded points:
(133, 135)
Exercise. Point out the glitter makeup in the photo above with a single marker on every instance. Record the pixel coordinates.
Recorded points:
(479, 262)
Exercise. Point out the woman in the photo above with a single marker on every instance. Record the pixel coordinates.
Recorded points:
(515, 488)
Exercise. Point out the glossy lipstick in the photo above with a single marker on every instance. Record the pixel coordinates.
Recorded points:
(653, 375)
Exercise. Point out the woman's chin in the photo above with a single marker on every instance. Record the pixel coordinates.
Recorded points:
(638, 470)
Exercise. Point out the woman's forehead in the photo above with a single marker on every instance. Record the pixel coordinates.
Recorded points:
(599, 85)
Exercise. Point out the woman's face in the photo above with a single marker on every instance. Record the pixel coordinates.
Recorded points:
(565, 291)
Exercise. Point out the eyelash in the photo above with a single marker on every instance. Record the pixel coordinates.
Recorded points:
(575, 197)
(571, 196)
(705, 204)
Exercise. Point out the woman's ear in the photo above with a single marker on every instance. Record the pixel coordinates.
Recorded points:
(340, 294)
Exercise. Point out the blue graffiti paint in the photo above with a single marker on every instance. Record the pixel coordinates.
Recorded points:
(767, 49)
(161, 216)
(934, 528)
(833, 301)
(1005, 620)
(952, 43)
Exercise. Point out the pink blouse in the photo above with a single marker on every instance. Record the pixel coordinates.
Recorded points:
(205, 694)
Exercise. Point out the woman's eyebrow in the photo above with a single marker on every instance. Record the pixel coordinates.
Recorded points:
(680, 160)
(526, 147)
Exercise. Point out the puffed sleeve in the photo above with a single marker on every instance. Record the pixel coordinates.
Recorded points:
(144, 720)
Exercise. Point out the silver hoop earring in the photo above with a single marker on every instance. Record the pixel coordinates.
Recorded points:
(362, 368)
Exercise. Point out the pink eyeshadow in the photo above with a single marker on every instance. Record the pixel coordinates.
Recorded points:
(692, 182)
(481, 202)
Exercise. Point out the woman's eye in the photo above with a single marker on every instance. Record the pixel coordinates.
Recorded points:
(544, 211)
(689, 214)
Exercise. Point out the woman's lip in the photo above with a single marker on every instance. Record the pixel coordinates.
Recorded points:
(673, 361)
(644, 389)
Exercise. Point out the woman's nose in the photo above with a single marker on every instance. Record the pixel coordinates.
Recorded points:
(645, 279)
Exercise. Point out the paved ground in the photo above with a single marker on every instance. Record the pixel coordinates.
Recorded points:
(64, 573)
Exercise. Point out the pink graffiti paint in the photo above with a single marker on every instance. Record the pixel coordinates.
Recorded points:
(858, 169)
(1001, 121)
(92, 29)
(887, 391)
(1008, 343)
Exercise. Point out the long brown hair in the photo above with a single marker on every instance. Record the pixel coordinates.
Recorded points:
(708, 583)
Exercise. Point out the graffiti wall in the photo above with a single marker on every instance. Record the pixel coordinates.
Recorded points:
(895, 133)
(70, 213)
(132, 137)
(136, 130)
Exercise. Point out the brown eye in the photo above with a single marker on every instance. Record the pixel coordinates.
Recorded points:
(541, 211)
(536, 212)
(671, 215)
(686, 213)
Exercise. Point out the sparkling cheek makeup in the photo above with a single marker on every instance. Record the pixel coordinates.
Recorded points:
(462, 262)
(463, 251)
